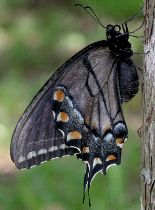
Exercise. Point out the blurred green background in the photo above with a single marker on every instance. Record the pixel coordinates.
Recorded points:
(36, 37)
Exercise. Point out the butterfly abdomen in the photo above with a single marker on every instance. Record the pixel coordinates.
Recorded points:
(128, 80)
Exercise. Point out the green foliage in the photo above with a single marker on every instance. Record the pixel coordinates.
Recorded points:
(36, 37)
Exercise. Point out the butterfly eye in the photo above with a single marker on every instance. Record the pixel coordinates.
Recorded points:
(109, 27)
(117, 28)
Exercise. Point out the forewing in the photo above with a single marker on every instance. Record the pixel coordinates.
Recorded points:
(36, 138)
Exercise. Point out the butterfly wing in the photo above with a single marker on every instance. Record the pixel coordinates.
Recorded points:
(35, 134)
(81, 101)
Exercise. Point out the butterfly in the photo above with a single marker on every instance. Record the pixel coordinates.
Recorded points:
(78, 110)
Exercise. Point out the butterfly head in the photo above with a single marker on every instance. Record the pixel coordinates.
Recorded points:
(118, 41)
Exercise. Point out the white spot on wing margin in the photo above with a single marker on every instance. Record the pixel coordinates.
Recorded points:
(120, 145)
(42, 151)
(31, 155)
(21, 159)
(63, 146)
(53, 148)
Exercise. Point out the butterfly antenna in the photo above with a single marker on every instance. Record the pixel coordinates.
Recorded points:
(91, 12)
(135, 36)
(124, 24)
(134, 16)
(138, 27)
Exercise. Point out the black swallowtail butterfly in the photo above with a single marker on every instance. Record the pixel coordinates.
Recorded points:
(78, 110)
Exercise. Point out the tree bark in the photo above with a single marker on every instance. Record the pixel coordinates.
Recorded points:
(148, 131)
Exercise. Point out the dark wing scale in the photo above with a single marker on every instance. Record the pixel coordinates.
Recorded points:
(35, 130)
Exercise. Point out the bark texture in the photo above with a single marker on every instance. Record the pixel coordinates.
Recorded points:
(148, 131)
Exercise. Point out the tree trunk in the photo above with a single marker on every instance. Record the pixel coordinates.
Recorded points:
(148, 131)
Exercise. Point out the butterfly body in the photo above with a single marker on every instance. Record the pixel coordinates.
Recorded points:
(118, 42)
(78, 110)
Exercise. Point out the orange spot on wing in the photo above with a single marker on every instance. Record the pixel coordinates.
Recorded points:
(74, 135)
(63, 117)
(85, 150)
(119, 141)
(111, 157)
(59, 95)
